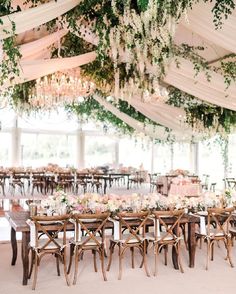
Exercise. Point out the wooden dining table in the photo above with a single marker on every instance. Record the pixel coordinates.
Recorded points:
(18, 223)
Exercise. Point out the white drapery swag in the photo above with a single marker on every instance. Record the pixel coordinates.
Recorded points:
(214, 91)
(158, 132)
(33, 49)
(200, 21)
(49, 66)
(163, 114)
(34, 17)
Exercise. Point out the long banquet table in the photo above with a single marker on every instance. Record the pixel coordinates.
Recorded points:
(18, 223)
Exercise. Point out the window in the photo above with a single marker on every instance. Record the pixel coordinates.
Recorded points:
(162, 158)
(5, 149)
(182, 156)
(135, 153)
(232, 156)
(53, 121)
(41, 149)
(211, 162)
(99, 151)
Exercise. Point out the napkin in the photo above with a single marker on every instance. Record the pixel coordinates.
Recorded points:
(202, 225)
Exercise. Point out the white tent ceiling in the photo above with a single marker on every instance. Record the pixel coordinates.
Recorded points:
(198, 31)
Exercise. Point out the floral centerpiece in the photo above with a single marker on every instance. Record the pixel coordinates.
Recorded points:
(59, 203)
(179, 172)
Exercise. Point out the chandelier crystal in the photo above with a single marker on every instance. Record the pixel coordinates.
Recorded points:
(59, 89)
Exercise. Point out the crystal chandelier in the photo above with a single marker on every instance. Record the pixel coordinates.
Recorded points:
(149, 91)
(59, 89)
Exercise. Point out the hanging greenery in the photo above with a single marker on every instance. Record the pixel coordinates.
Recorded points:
(90, 109)
(203, 115)
(135, 44)
(135, 34)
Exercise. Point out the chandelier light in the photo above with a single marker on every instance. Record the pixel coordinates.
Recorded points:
(150, 91)
(59, 89)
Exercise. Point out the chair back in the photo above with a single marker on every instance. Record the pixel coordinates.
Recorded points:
(221, 217)
(50, 226)
(91, 224)
(134, 223)
(205, 181)
(172, 229)
(65, 176)
(230, 183)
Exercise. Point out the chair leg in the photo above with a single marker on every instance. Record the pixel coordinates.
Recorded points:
(156, 251)
(179, 258)
(120, 262)
(185, 236)
(64, 267)
(228, 248)
(95, 261)
(132, 256)
(32, 263)
(145, 258)
(110, 255)
(36, 264)
(72, 247)
(212, 251)
(208, 253)
(200, 242)
(102, 264)
(58, 266)
(77, 255)
(165, 253)
(232, 240)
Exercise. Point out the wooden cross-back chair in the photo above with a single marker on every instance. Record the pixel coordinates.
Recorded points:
(45, 238)
(92, 226)
(171, 234)
(205, 182)
(82, 181)
(65, 181)
(38, 181)
(229, 183)
(134, 224)
(138, 177)
(217, 229)
(17, 180)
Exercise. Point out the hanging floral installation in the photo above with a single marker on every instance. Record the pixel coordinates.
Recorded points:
(134, 48)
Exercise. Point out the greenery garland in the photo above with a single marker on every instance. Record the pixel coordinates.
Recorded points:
(211, 117)
(90, 109)
(102, 16)
(9, 66)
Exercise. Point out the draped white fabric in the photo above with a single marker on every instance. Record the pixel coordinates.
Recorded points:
(33, 48)
(214, 91)
(33, 64)
(49, 66)
(211, 51)
(34, 17)
(158, 132)
(201, 21)
(163, 114)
